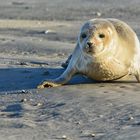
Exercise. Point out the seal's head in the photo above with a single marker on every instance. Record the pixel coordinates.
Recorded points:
(96, 36)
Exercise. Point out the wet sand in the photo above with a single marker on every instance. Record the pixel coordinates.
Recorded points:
(36, 37)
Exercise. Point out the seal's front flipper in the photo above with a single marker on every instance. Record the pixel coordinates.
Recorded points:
(47, 84)
(74, 55)
(65, 64)
(61, 80)
(71, 70)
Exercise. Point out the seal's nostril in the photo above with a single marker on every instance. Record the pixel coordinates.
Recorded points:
(89, 44)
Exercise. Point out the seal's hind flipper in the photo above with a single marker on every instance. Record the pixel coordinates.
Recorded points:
(138, 77)
(137, 71)
(136, 66)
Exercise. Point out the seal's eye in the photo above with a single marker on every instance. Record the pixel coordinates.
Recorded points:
(83, 35)
(101, 35)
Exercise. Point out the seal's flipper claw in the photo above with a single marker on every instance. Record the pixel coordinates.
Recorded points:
(47, 84)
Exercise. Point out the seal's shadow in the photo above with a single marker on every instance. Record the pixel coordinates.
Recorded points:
(28, 78)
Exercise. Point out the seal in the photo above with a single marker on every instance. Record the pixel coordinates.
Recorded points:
(106, 50)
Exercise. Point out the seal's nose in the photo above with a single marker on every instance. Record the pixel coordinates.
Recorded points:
(89, 44)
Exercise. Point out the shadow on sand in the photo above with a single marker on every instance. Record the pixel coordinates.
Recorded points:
(28, 78)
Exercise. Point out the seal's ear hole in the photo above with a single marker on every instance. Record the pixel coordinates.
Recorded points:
(102, 35)
(83, 35)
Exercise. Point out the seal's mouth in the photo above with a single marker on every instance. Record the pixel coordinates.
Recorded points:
(93, 49)
(90, 49)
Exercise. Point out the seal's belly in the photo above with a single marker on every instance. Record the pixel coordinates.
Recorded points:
(105, 71)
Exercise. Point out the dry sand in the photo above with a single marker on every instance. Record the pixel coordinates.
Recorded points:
(35, 38)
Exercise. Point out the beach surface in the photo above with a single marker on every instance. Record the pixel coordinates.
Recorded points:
(36, 37)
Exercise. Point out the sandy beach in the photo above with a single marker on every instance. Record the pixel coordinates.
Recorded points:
(36, 37)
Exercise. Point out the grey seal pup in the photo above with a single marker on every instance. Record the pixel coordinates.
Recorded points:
(106, 50)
